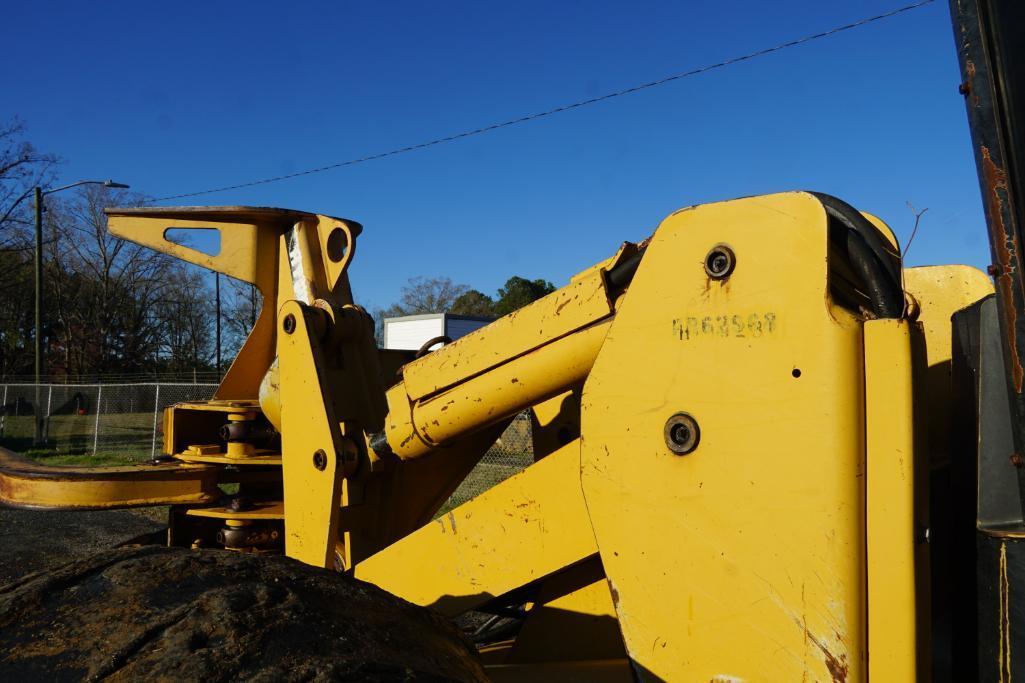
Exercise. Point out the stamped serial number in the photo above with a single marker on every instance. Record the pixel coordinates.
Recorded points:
(731, 325)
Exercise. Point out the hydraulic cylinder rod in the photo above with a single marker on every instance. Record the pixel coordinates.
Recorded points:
(518, 361)
(414, 429)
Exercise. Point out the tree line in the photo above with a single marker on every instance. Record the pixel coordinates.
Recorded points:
(441, 295)
(110, 306)
(114, 307)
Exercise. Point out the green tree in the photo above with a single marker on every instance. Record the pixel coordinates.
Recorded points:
(518, 292)
(441, 295)
(474, 302)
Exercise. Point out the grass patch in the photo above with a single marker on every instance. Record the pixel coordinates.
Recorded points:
(127, 439)
(124, 439)
(82, 460)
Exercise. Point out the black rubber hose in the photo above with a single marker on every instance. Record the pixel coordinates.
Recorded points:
(853, 220)
(887, 301)
(620, 276)
(425, 348)
(873, 258)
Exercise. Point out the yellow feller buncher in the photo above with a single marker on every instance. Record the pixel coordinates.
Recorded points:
(763, 449)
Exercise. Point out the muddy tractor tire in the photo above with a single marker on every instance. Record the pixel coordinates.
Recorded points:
(158, 613)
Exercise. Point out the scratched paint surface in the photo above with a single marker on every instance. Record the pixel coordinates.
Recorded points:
(522, 529)
(744, 559)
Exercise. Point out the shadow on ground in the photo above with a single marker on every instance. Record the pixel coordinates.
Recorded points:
(31, 540)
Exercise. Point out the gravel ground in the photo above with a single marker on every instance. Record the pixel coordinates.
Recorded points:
(32, 540)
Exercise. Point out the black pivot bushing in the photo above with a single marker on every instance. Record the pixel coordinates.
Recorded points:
(681, 433)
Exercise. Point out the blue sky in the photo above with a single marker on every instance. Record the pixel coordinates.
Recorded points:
(180, 97)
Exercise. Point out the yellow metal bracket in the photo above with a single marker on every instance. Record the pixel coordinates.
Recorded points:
(755, 534)
(311, 441)
(286, 254)
(897, 557)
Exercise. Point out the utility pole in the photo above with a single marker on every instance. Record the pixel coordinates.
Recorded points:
(217, 300)
(39, 192)
(37, 437)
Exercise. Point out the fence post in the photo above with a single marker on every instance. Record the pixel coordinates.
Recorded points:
(3, 413)
(46, 425)
(96, 425)
(156, 411)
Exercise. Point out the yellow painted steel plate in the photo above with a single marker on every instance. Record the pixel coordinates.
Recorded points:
(268, 510)
(222, 459)
(221, 406)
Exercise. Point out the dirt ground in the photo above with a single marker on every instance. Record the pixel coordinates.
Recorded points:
(146, 612)
(32, 540)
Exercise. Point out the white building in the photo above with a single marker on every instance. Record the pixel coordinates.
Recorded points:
(410, 332)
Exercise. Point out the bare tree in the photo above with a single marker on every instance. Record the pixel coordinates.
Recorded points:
(115, 305)
(186, 319)
(111, 305)
(419, 295)
(426, 295)
(16, 317)
(22, 167)
(243, 303)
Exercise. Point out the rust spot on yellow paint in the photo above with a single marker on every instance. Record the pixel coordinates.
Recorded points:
(837, 664)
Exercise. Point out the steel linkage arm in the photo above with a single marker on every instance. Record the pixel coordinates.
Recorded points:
(27, 484)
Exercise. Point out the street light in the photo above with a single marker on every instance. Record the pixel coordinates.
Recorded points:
(39, 194)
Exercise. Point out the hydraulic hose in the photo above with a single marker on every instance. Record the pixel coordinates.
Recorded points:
(873, 259)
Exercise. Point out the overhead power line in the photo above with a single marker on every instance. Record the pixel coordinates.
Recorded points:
(562, 108)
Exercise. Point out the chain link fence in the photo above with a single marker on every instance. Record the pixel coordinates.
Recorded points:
(512, 452)
(122, 420)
